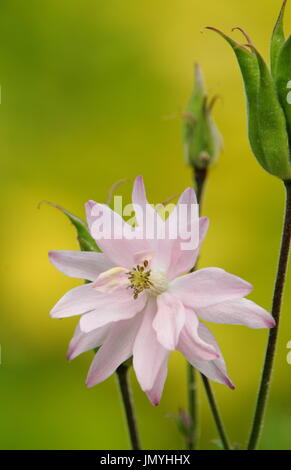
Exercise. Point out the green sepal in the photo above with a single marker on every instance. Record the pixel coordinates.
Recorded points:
(86, 241)
(249, 68)
(202, 140)
(271, 125)
(283, 86)
(278, 40)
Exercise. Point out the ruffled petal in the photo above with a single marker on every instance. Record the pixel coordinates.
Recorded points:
(207, 287)
(148, 353)
(238, 312)
(117, 306)
(184, 260)
(178, 231)
(76, 301)
(82, 342)
(116, 349)
(216, 369)
(196, 346)
(169, 320)
(80, 264)
(117, 239)
(155, 394)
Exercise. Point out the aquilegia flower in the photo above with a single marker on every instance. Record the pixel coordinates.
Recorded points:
(139, 304)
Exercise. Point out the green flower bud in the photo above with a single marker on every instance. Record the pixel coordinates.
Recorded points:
(268, 99)
(202, 140)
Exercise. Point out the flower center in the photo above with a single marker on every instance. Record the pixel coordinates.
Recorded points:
(139, 278)
(142, 278)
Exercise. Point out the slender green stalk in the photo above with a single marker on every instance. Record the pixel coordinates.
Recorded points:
(193, 434)
(273, 335)
(122, 375)
(215, 413)
(200, 176)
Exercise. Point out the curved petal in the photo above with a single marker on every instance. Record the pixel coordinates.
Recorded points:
(216, 369)
(118, 240)
(179, 231)
(184, 260)
(120, 305)
(155, 394)
(169, 320)
(144, 211)
(148, 353)
(116, 349)
(238, 312)
(197, 347)
(76, 301)
(80, 264)
(207, 287)
(82, 342)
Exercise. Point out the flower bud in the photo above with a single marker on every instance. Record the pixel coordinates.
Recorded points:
(268, 103)
(202, 140)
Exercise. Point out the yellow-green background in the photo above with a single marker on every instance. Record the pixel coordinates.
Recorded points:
(92, 91)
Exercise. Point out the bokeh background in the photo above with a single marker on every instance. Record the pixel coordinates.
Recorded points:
(92, 92)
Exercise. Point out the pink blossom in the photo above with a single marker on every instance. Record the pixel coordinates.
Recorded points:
(140, 302)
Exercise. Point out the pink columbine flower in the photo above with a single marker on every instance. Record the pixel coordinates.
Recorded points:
(140, 304)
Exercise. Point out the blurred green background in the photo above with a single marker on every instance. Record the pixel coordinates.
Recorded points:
(92, 92)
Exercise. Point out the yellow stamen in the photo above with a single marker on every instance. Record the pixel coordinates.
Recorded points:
(139, 279)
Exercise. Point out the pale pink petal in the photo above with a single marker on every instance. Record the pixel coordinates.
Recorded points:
(178, 250)
(208, 286)
(148, 353)
(140, 202)
(80, 264)
(216, 369)
(238, 312)
(82, 342)
(184, 260)
(116, 349)
(169, 320)
(193, 342)
(117, 239)
(155, 394)
(119, 305)
(108, 281)
(76, 301)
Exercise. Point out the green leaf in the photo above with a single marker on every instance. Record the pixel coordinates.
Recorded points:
(278, 39)
(86, 241)
(271, 125)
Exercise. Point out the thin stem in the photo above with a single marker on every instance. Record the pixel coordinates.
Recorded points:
(273, 335)
(192, 407)
(193, 434)
(200, 176)
(122, 375)
(215, 413)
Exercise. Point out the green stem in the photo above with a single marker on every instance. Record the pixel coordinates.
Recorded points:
(122, 375)
(200, 176)
(273, 335)
(215, 413)
(193, 434)
(192, 437)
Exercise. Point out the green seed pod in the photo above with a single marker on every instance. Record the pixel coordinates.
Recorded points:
(202, 140)
(268, 106)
